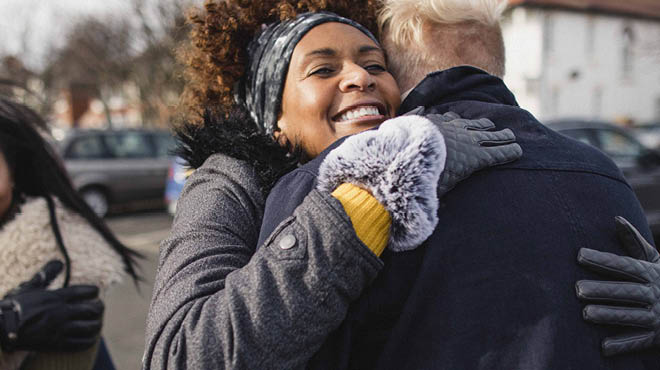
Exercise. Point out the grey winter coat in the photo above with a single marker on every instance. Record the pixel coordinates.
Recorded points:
(220, 302)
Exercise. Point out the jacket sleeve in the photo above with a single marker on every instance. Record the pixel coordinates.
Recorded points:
(219, 302)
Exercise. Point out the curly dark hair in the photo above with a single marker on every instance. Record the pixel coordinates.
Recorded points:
(216, 57)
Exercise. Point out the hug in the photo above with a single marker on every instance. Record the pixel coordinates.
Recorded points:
(369, 194)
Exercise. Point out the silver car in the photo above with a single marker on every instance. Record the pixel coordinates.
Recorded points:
(118, 167)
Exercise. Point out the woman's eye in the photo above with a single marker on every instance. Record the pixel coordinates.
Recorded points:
(375, 68)
(324, 71)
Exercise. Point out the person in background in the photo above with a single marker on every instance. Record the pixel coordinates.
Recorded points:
(57, 258)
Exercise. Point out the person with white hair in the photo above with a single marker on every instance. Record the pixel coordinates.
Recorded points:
(464, 32)
(491, 288)
(492, 294)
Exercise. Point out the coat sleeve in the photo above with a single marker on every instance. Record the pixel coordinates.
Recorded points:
(219, 302)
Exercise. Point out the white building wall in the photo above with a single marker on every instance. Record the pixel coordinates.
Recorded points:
(523, 35)
(585, 69)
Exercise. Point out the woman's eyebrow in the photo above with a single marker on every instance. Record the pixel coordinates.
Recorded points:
(330, 52)
(370, 48)
(324, 52)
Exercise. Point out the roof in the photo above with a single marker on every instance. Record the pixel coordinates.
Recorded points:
(636, 8)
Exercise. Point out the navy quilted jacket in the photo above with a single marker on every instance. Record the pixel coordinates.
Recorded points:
(493, 287)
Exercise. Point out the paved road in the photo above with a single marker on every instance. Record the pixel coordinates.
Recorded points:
(126, 306)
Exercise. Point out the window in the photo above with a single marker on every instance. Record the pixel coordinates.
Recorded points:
(627, 50)
(554, 101)
(584, 136)
(129, 145)
(165, 144)
(618, 146)
(548, 33)
(591, 35)
(89, 147)
(597, 102)
(532, 85)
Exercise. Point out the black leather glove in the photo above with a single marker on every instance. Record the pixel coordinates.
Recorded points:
(632, 301)
(35, 319)
(471, 146)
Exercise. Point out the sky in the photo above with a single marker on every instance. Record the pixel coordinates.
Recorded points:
(28, 27)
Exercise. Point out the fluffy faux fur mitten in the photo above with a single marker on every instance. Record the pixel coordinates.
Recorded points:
(411, 161)
(400, 164)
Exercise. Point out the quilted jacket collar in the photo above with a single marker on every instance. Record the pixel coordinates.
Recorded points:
(458, 84)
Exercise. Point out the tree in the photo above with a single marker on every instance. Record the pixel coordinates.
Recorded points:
(97, 54)
(107, 53)
(156, 71)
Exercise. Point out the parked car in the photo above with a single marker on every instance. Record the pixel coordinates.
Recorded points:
(639, 164)
(648, 134)
(117, 167)
(177, 175)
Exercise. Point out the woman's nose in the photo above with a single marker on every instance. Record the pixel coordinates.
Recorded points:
(356, 78)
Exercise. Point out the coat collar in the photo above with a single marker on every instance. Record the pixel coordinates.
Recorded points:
(458, 84)
(27, 242)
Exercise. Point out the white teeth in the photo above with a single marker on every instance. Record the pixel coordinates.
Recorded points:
(358, 113)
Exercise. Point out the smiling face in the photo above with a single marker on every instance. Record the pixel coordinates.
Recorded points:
(6, 186)
(337, 85)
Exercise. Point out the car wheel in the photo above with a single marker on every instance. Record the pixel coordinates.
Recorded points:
(97, 201)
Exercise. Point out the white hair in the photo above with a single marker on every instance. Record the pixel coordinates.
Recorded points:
(456, 32)
(406, 18)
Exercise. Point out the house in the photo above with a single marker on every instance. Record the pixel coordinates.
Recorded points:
(592, 59)
(78, 105)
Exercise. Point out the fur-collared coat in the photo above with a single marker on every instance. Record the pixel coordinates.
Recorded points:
(27, 243)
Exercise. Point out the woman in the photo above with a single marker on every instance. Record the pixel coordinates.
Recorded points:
(221, 302)
(42, 219)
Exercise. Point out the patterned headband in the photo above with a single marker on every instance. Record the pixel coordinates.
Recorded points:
(270, 53)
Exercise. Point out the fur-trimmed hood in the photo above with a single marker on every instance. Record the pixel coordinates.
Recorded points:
(27, 242)
(235, 134)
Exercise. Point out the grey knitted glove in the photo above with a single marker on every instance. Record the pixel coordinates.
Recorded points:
(400, 164)
(634, 298)
(471, 146)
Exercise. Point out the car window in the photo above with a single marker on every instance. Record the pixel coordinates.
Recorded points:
(584, 136)
(618, 145)
(129, 145)
(165, 144)
(86, 147)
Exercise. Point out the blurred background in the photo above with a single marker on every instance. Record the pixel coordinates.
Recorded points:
(104, 74)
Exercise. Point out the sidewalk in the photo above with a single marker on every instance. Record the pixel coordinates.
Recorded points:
(127, 306)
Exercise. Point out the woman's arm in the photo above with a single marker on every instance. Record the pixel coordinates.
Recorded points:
(219, 304)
